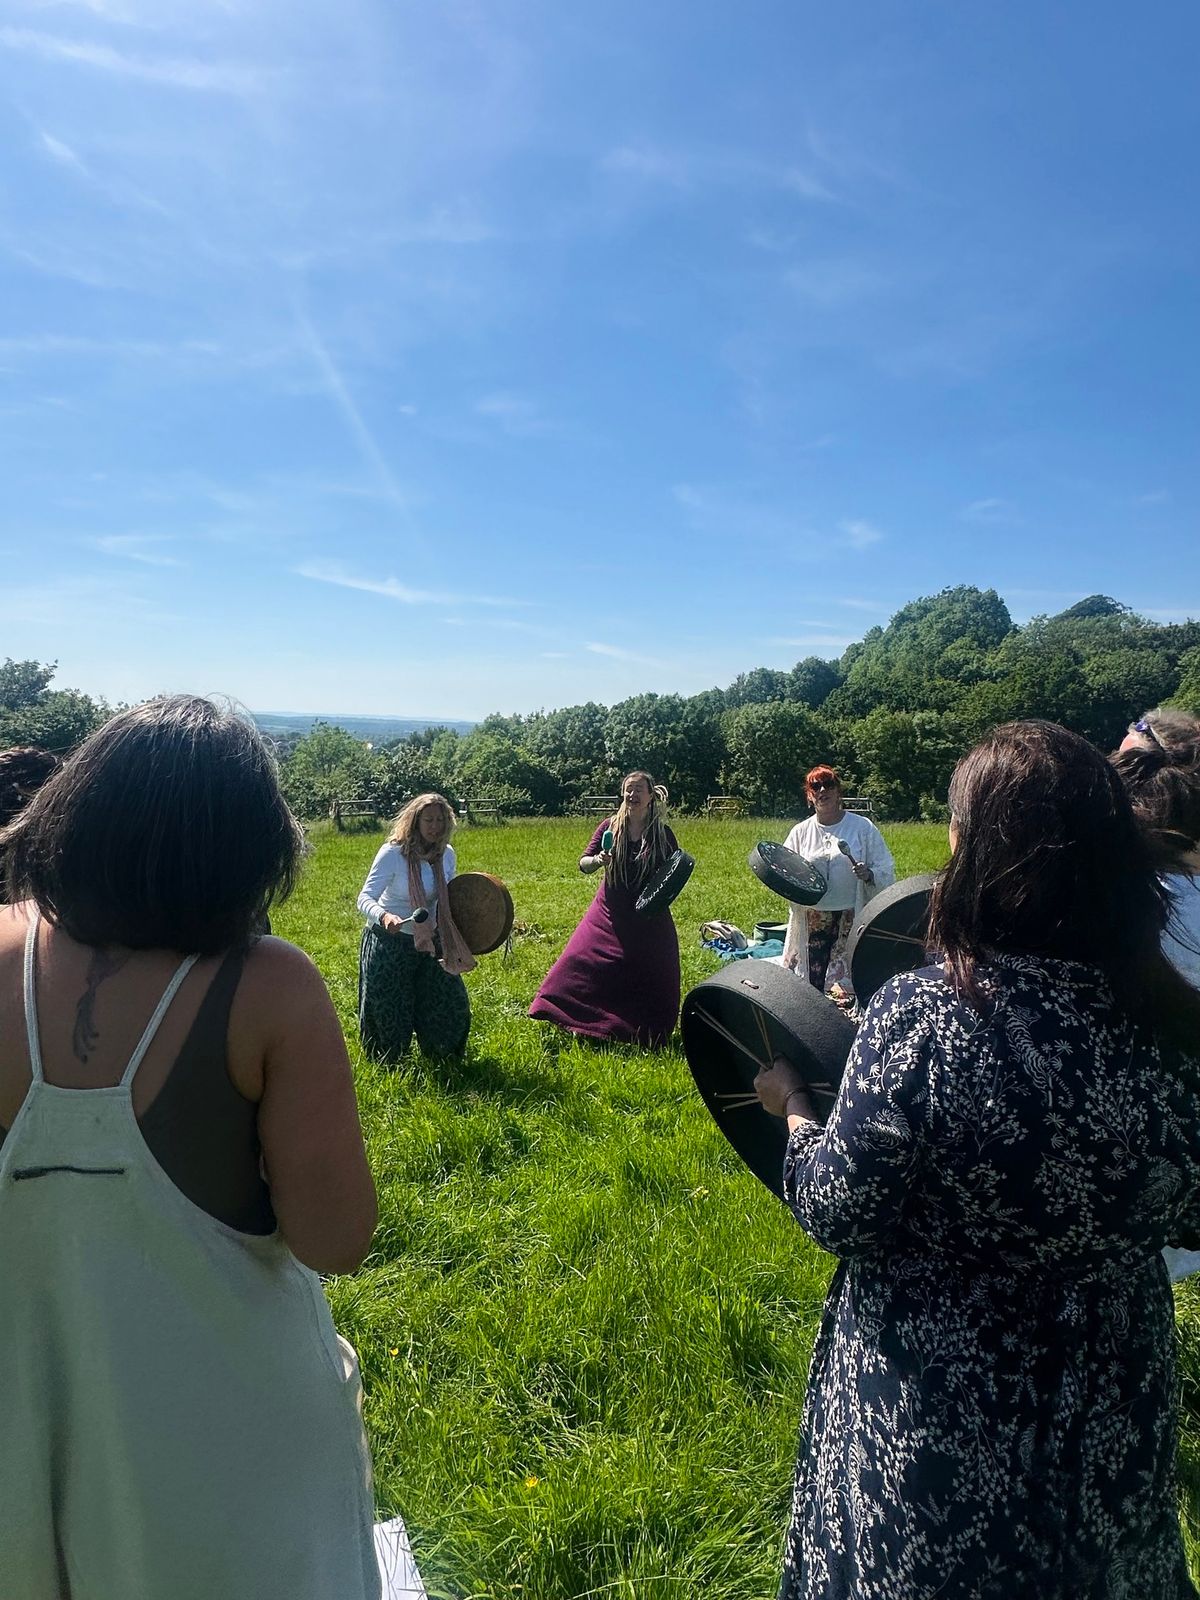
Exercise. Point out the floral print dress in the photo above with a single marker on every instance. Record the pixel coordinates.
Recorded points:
(991, 1410)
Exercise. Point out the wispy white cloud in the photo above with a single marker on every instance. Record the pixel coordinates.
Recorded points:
(648, 163)
(110, 10)
(1154, 497)
(517, 414)
(990, 510)
(212, 77)
(693, 169)
(828, 284)
(100, 602)
(340, 395)
(859, 533)
(60, 152)
(393, 589)
(144, 547)
(857, 604)
(816, 641)
(616, 653)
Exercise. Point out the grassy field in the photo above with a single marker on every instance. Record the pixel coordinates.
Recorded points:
(584, 1327)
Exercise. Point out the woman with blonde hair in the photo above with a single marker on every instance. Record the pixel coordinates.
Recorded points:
(410, 966)
(618, 977)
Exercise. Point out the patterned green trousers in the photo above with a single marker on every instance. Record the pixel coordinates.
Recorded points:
(401, 990)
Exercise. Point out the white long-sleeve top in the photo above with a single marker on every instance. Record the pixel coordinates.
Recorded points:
(818, 844)
(386, 888)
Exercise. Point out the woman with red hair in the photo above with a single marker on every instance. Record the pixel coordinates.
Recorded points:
(849, 852)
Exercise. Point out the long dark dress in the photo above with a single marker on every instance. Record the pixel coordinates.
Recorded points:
(618, 977)
(991, 1409)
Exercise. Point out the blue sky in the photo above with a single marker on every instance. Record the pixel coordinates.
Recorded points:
(440, 358)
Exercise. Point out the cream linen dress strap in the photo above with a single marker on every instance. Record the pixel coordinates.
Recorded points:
(180, 1420)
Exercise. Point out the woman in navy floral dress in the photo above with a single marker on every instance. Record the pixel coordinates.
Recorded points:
(991, 1410)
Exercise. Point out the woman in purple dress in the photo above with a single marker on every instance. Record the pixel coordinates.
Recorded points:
(618, 977)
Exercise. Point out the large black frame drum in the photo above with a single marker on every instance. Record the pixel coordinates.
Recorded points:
(736, 1022)
(889, 937)
(666, 884)
(788, 874)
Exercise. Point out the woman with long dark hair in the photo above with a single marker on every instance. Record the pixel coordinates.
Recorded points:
(618, 977)
(181, 1155)
(991, 1407)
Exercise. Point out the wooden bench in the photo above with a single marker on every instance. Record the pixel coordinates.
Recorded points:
(724, 805)
(340, 809)
(482, 806)
(600, 805)
(855, 802)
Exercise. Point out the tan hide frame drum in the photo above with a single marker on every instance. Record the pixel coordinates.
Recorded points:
(482, 909)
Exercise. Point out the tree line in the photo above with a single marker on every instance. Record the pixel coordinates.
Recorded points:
(893, 713)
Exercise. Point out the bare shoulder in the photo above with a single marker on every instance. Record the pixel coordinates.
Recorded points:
(14, 925)
(280, 971)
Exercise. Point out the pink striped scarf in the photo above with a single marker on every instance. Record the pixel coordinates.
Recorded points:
(455, 958)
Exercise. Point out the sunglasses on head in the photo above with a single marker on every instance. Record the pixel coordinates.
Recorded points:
(1143, 727)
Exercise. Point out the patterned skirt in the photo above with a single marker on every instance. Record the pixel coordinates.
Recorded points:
(402, 991)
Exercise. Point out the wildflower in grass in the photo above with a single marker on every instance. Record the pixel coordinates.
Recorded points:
(531, 1482)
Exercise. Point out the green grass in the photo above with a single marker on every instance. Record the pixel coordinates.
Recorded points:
(584, 1328)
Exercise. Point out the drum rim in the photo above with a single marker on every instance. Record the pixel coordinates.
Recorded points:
(860, 936)
(765, 870)
(506, 902)
(769, 1136)
(676, 860)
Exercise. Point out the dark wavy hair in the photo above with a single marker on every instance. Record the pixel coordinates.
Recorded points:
(1049, 861)
(1161, 774)
(166, 829)
(23, 771)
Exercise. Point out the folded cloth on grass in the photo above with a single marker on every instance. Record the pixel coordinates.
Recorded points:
(397, 1569)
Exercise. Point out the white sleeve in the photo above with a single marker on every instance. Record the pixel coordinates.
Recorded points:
(879, 859)
(383, 870)
(448, 864)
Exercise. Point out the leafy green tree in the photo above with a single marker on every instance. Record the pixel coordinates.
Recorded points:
(328, 764)
(406, 769)
(930, 649)
(1187, 695)
(813, 681)
(570, 742)
(1122, 684)
(33, 713)
(647, 732)
(489, 762)
(758, 687)
(770, 748)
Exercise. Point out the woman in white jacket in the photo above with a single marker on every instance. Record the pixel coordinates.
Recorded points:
(849, 851)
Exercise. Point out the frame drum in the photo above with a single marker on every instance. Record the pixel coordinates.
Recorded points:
(665, 885)
(889, 937)
(788, 874)
(736, 1022)
(482, 909)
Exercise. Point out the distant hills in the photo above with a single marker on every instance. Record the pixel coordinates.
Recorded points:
(373, 730)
